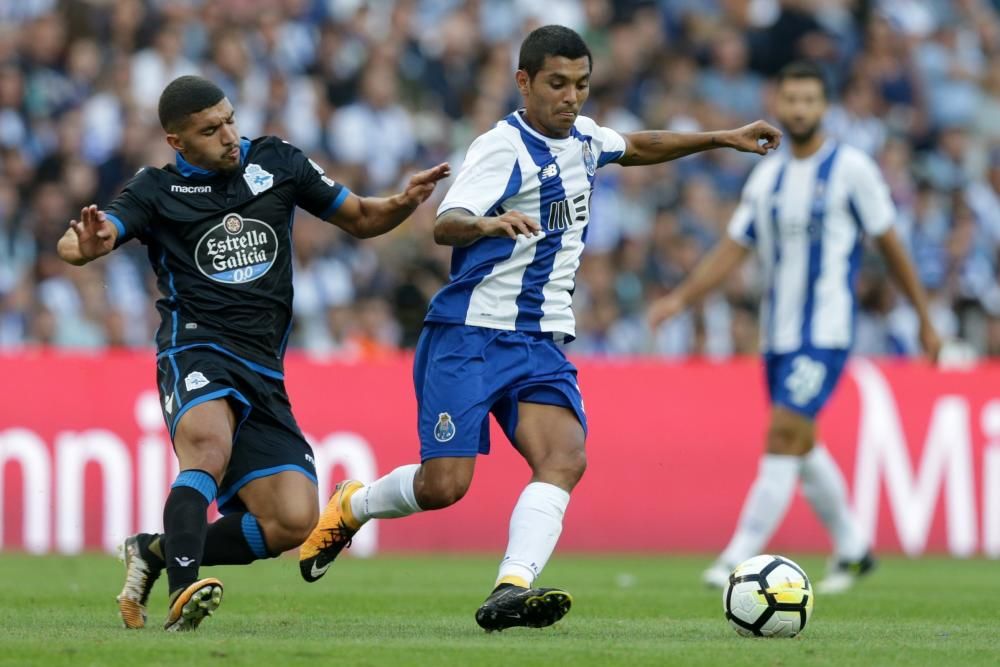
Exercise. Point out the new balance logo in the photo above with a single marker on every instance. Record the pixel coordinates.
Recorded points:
(566, 213)
(190, 189)
(183, 561)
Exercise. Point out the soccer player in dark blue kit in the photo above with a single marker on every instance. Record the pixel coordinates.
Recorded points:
(217, 225)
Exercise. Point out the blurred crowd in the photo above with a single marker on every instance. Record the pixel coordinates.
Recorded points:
(376, 90)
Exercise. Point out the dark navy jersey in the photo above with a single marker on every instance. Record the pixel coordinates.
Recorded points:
(221, 246)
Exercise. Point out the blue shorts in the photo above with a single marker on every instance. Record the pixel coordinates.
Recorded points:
(803, 380)
(461, 374)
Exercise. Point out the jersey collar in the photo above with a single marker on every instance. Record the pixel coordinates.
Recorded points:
(189, 170)
(523, 123)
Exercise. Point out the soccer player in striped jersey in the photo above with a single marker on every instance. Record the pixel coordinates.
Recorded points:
(806, 214)
(517, 217)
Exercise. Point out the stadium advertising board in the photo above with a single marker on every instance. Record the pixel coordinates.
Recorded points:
(673, 447)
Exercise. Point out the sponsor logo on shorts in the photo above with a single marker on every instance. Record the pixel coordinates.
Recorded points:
(195, 380)
(237, 250)
(445, 429)
(310, 459)
(168, 405)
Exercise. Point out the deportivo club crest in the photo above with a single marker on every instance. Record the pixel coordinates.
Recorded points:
(445, 428)
(588, 159)
(237, 250)
(257, 179)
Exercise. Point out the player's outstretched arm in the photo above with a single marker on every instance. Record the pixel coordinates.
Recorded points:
(88, 238)
(710, 271)
(652, 147)
(365, 217)
(458, 227)
(905, 276)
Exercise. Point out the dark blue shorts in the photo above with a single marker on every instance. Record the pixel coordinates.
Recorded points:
(461, 374)
(267, 439)
(803, 380)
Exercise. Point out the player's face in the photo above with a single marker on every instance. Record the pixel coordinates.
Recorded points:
(800, 108)
(553, 98)
(209, 139)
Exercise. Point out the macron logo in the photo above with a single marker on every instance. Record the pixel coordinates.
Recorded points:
(190, 189)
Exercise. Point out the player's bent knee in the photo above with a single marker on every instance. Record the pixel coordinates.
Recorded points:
(435, 494)
(787, 442)
(289, 529)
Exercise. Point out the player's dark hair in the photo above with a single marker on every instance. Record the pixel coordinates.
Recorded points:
(184, 96)
(802, 69)
(551, 40)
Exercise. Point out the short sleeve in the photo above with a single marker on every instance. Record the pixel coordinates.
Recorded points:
(611, 144)
(869, 199)
(315, 192)
(130, 211)
(742, 227)
(743, 224)
(489, 175)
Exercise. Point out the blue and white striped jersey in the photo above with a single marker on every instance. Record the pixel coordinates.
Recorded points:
(807, 219)
(527, 284)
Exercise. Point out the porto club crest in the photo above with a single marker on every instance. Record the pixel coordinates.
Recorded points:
(445, 429)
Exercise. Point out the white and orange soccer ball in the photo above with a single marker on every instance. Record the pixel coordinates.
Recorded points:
(768, 596)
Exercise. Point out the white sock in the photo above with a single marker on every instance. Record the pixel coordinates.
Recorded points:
(535, 525)
(389, 497)
(823, 485)
(764, 507)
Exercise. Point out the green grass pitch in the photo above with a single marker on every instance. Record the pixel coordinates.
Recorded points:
(395, 610)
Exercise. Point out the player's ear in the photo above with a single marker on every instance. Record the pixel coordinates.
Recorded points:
(174, 141)
(523, 81)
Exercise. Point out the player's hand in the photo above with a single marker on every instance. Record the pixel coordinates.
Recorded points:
(665, 308)
(511, 224)
(747, 139)
(930, 342)
(422, 184)
(94, 234)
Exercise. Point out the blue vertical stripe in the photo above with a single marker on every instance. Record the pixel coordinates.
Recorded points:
(173, 297)
(854, 264)
(177, 378)
(751, 233)
(776, 255)
(291, 316)
(200, 481)
(253, 535)
(817, 220)
(529, 301)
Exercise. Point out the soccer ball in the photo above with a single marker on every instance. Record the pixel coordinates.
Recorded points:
(768, 596)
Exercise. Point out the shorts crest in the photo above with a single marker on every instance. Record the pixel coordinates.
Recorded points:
(445, 428)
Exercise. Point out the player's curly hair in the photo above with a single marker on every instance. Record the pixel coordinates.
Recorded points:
(551, 40)
(184, 96)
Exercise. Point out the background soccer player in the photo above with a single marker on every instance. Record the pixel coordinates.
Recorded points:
(517, 217)
(806, 214)
(218, 228)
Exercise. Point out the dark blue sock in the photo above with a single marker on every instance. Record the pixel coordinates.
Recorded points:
(185, 522)
(235, 539)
